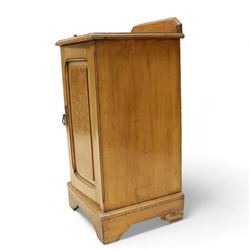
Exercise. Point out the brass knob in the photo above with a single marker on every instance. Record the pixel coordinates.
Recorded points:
(64, 119)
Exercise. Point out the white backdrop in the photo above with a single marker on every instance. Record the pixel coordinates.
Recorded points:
(34, 212)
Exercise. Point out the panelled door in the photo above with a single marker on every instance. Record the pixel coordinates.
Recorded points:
(80, 120)
(80, 105)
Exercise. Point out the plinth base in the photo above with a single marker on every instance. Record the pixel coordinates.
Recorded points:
(110, 225)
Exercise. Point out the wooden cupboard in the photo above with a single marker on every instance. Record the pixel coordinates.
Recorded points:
(123, 118)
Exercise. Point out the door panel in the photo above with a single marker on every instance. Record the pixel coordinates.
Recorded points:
(79, 112)
(80, 99)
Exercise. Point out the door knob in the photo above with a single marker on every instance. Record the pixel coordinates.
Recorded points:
(64, 119)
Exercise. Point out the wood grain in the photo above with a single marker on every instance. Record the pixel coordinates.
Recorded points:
(110, 226)
(75, 53)
(122, 101)
(140, 120)
(80, 118)
(165, 25)
(119, 36)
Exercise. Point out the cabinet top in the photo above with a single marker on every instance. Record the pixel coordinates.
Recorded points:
(169, 28)
(125, 35)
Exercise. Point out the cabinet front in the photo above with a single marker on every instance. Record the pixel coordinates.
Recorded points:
(81, 113)
(81, 142)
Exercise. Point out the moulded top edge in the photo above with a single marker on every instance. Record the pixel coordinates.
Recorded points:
(121, 35)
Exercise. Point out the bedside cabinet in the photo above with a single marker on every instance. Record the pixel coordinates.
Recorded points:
(123, 119)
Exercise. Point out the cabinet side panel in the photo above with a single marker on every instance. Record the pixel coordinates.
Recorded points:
(140, 119)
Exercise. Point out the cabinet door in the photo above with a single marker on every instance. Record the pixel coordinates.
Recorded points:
(79, 81)
(79, 126)
(80, 120)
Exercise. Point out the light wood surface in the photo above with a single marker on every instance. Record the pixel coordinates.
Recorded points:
(140, 123)
(80, 119)
(165, 25)
(119, 36)
(83, 54)
(123, 117)
(110, 226)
